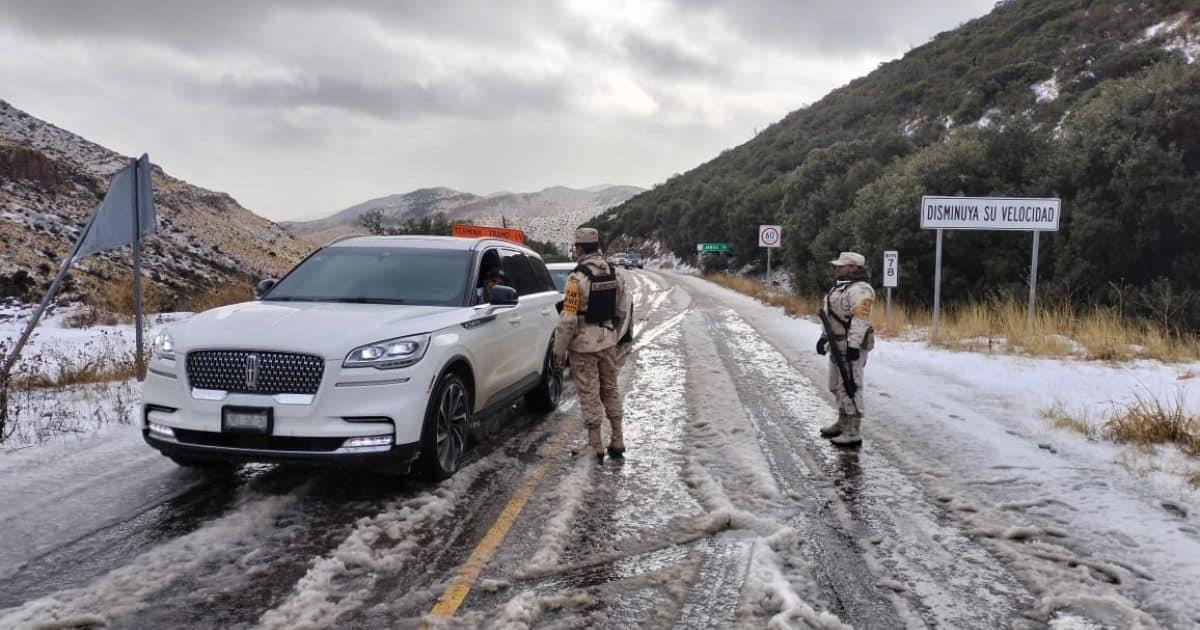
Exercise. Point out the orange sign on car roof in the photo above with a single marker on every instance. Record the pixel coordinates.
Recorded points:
(479, 231)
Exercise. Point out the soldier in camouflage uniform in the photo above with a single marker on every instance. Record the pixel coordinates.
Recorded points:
(848, 306)
(594, 301)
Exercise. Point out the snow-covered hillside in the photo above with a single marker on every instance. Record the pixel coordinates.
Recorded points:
(50, 182)
(550, 215)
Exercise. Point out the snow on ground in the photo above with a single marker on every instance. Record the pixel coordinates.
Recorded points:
(41, 414)
(54, 341)
(133, 587)
(376, 546)
(1176, 35)
(988, 118)
(1065, 512)
(1047, 90)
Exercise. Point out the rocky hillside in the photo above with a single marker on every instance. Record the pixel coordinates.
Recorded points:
(50, 182)
(1093, 101)
(415, 204)
(547, 215)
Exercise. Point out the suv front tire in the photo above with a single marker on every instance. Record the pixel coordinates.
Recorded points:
(546, 397)
(447, 421)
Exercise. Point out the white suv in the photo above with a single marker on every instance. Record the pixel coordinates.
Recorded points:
(373, 350)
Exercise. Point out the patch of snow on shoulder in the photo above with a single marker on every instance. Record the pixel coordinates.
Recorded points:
(1047, 90)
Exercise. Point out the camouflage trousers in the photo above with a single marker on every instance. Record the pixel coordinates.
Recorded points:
(595, 375)
(846, 405)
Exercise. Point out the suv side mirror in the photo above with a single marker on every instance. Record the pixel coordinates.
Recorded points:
(264, 286)
(503, 296)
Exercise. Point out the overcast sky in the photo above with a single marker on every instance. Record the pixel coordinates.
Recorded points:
(299, 109)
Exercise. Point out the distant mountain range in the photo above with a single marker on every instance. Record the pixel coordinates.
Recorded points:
(548, 215)
(50, 182)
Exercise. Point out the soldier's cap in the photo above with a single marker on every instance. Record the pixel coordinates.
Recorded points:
(849, 258)
(587, 235)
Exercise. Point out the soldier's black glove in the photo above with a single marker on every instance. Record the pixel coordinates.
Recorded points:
(852, 354)
(821, 343)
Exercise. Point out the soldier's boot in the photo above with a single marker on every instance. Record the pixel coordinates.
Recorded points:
(594, 444)
(834, 429)
(616, 445)
(850, 435)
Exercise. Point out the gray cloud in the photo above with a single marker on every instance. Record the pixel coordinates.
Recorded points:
(254, 97)
(480, 97)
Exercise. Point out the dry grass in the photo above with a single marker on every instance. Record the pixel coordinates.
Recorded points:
(60, 392)
(1001, 325)
(794, 305)
(220, 295)
(1194, 479)
(90, 316)
(115, 297)
(70, 371)
(114, 304)
(1146, 422)
(1151, 422)
(1059, 417)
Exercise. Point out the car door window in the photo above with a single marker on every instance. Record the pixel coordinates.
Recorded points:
(520, 274)
(541, 274)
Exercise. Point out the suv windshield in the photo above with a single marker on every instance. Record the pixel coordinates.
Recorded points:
(377, 275)
(560, 278)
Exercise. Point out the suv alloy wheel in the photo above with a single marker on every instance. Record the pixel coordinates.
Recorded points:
(447, 420)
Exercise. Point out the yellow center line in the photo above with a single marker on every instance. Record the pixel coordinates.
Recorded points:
(454, 595)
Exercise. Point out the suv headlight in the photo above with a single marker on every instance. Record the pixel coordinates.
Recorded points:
(389, 353)
(163, 347)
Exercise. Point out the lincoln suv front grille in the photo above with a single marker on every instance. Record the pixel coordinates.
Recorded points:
(247, 372)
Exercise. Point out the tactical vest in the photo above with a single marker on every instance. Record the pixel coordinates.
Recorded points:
(601, 307)
(869, 337)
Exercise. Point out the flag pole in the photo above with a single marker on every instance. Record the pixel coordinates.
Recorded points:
(140, 359)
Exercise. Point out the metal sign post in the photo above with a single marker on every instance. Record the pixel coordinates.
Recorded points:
(1033, 278)
(1024, 214)
(891, 276)
(937, 282)
(769, 237)
(139, 363)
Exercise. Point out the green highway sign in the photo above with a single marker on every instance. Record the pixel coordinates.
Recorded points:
(712, 247)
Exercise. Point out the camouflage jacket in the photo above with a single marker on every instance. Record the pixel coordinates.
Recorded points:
(850, 303)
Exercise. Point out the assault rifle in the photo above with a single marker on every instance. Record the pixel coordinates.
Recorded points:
(839, 359)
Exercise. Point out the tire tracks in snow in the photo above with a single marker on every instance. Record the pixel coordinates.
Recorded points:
(878, 537)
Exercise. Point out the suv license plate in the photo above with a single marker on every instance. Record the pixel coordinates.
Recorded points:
(246, 420)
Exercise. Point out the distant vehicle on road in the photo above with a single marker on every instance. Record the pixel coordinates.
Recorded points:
(626, 260)
(561, 271)
(374, 351)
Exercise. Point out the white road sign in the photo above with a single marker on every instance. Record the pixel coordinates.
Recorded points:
(769, 235)
(891, 268)
(990, 213)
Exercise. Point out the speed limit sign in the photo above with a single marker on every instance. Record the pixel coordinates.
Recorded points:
(891, 268)
(769, 235)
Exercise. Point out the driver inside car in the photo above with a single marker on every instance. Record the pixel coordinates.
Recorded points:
(488, 278)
